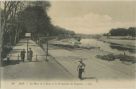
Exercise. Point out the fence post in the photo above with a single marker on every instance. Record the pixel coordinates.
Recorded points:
(18, 57)
(124, 53)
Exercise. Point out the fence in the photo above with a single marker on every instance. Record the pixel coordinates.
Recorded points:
(18, 58)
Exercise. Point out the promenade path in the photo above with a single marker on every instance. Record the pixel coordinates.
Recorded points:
(37, 69)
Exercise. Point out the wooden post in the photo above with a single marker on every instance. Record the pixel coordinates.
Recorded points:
(47, 47)
(124, 53)
(27, 49)
(47, 50)
(18, 57)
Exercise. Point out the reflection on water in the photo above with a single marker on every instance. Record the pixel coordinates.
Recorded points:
(116, 49)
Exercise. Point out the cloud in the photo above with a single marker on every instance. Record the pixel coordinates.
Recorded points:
(92, 17)
(89, 24)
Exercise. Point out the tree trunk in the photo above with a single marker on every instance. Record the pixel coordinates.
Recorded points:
(15, 39)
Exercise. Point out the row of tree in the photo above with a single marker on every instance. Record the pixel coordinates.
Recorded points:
(62, 32)
(10, 27)
(123, 32)
(19, 17)
(37, 21)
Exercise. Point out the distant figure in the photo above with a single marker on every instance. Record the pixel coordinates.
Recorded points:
(22, 54)
(81, 69)
(124, 53)
(8, 58)
(30, 54)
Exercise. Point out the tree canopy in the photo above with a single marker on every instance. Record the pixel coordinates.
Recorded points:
(131, 31)
(19, 17)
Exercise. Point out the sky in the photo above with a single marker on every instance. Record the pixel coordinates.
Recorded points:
(93, 17)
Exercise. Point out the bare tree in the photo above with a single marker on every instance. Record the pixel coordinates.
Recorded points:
(9, 10)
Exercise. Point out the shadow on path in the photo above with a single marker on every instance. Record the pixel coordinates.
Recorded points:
(84, 78)
(10, 62)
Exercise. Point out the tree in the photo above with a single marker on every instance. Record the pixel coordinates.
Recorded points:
(36, 20)
(123, 31)
(132, 31)
(19, 17)
(8, 24)
(58, 31)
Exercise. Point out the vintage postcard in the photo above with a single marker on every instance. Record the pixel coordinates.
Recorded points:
(67, 44)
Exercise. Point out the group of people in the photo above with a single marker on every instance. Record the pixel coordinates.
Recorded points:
(29, 54)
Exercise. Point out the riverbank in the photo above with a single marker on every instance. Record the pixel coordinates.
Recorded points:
(96, 69)
(123, 58)
(90, 44)
(70, 43)
(111, 47)
(120, 43)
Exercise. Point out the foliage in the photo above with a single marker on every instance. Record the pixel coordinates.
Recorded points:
(19, 17)
(10, 32)
(62, 31)
(35, 20)
(123, 32)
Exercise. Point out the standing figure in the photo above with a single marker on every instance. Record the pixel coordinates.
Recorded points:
(81, 69)
(8, 58)
(22, 54)
(30, 54)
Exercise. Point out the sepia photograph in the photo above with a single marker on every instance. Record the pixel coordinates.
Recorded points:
(68, 44)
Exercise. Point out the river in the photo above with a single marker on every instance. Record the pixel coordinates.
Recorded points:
(106, 46)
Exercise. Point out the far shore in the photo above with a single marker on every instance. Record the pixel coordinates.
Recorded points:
(118, 40)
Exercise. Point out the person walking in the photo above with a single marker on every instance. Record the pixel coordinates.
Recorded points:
(30, 54)
(22, 54)
(81, 69)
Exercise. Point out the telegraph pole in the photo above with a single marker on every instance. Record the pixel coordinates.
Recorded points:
(27, 49)
(47, 48)
(27, 35)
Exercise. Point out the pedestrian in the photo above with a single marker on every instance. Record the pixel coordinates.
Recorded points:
(22, 54)
(30, 54)
(81, 69)
(8, 58)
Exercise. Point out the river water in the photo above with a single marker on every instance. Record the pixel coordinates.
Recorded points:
(105, 46)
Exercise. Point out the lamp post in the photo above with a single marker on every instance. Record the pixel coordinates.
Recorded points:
(47, 48)
(47, 38)
(27, 35)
